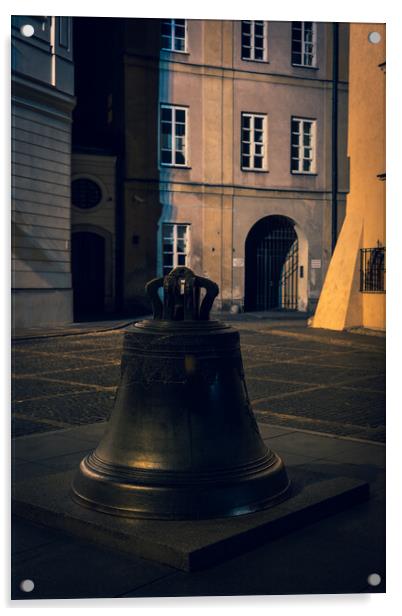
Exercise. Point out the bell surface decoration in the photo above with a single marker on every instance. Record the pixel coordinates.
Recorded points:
(182, 441)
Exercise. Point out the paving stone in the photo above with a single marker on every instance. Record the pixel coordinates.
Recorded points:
(92, 432)
(27, 388)
(323, 447)
(366, 361)
(105, 376)
(22, 471)
(66, 462)
(307, 373)
(340, 465)
(46, 446)
(80, 408)
(377, 434)
(28, 536)
(372, 456)
(290, 459)
(21, 427)
(32, 364)
(70, 570)
(265, 388)
(357, 407)
(268, 431)
(322, 426)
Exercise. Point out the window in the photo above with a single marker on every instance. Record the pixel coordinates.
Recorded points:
(175, 246)
(304, 43)
(174, 35)
(173, 135)
(372, 270)
(253, 40)
(253, 142)
(302, 145)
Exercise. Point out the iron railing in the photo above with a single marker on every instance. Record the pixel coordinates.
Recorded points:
(372, 270)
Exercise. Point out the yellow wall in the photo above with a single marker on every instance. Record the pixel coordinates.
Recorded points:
(341, 303)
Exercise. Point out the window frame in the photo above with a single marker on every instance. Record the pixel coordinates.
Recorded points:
(302, 64)
(313, 146)
(174, 108)
(252, 154)
(175, 253)
(252, 57)
(173, 37)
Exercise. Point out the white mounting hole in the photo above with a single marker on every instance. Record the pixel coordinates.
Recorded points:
(27, 30)
(27, 585)
(374, 37)
(374, 579)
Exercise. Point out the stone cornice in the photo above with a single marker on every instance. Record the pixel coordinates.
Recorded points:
(45, 99)
(232, 73)
(230, 189)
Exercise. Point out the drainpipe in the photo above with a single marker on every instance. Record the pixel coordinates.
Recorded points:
(334, 157)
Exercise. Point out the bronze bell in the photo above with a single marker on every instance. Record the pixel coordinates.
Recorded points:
(182, 441)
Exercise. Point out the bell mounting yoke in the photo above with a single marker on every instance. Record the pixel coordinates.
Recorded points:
(181, 296)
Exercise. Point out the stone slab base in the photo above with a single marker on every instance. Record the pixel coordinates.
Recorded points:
(187, 545)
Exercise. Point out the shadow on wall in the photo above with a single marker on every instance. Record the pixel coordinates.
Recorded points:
(142, 202)
(40, 255)
(117, 112)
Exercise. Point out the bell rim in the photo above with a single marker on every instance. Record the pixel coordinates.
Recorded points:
(225, 499)
(131, 513)
(94, 465)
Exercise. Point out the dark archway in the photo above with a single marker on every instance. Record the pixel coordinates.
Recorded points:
(271, 267)
(88, 274)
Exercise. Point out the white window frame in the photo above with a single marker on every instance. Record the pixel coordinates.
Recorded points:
(173, 37)
(174, 136)
(252, 144)
(176, 226)
(304, 43)
(252, 47)
(301, 146)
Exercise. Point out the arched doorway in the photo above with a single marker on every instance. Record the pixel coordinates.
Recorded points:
(271, 267)
(88, 274)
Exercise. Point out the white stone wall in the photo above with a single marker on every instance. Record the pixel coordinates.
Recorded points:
(41, 163)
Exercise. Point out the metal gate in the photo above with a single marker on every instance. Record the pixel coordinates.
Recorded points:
(272, 265)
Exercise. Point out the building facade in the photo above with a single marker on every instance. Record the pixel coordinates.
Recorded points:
(203, 143)
(226, 158)
(42, 104)
(354, 291)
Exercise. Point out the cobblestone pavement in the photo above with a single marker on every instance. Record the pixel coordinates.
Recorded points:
(297, 377)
